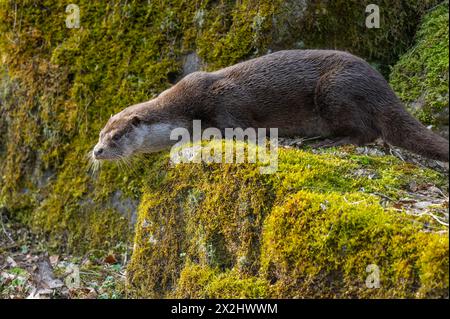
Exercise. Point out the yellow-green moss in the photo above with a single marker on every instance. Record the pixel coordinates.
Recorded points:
(319, 221)
(420, 77)
(203, 282)
(175, 222)
(320, 245)
(69, 81)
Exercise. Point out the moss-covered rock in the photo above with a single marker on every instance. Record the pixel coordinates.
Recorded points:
(204, 282)
(62, 84)
(420, 77)
(310, 230)
(327, 245)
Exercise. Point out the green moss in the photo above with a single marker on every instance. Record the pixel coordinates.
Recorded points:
(229, 34)
(343, 171)
(203, 282)
(420, 77)
(321, 222)
(320, 245)
(175, 221)
(193, 281)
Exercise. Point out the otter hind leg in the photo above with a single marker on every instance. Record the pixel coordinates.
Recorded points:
(348, 113)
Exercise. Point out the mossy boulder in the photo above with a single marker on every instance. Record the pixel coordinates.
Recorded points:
(309, 230)
(420, 77)
(327, 245)
(60, 85)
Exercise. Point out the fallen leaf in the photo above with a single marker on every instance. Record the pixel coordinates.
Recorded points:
(11, 262)
(110, 259)
(413, 186)
(54, 260)
(46, 278)
(84, 292)
(40, 294)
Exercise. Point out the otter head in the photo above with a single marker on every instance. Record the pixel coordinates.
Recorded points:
(127, 134)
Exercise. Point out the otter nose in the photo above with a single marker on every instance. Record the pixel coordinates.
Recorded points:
(98, 151)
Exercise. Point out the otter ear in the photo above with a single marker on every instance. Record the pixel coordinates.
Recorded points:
(135, 121)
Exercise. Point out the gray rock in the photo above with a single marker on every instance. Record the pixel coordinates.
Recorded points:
(191, 63)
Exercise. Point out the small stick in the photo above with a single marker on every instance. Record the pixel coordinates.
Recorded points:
(437, 219)
(4, 230)
(384, 196)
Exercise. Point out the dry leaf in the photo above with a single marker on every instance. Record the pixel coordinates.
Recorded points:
(46, 278)
(110, 259)
(11, 262)
(54, 260)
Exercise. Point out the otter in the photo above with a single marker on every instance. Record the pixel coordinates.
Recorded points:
(306, 93)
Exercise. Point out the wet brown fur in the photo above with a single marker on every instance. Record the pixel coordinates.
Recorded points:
(300, 92)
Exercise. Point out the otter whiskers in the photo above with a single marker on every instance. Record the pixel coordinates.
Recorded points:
(93, 164)
(120, 160)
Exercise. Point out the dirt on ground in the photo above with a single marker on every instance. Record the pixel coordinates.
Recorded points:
(28, 270)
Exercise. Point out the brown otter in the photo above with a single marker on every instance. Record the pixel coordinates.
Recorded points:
(300, 92)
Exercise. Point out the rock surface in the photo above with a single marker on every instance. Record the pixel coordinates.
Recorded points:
(420, 77)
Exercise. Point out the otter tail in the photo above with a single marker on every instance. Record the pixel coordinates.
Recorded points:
(399, 128)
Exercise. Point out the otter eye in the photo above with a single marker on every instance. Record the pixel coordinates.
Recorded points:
(116, 137)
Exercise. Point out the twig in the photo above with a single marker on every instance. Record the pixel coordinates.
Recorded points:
(427, 213)
(89, 272)
(437, 5)
(4, 230)
(442, 193)
(396, 154)
(311, 138)
(437, 219)
(15, 16)
(384, 196)
(419, 196)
